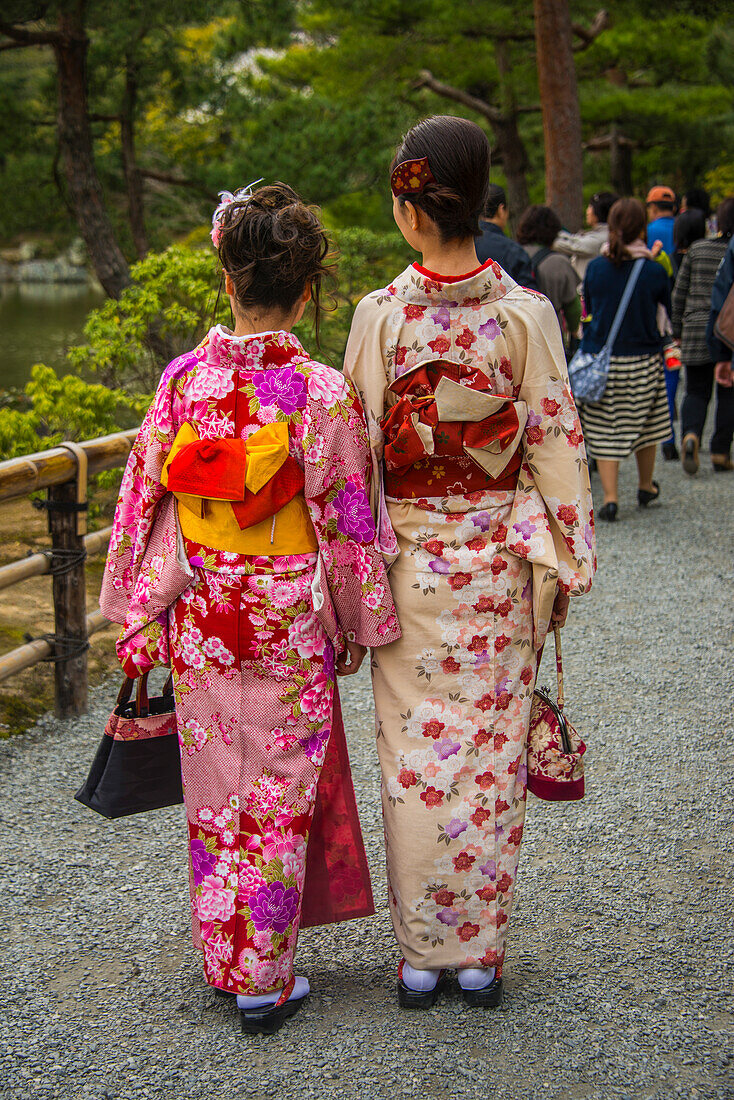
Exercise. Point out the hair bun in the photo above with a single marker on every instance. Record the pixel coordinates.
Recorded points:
(273, 247)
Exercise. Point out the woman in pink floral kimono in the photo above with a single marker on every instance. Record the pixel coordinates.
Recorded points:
(481, 494)
(243, 552)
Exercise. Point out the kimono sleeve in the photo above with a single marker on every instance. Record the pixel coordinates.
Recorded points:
(141, 491)
(365, 366)
(337, 475)
(554, 449)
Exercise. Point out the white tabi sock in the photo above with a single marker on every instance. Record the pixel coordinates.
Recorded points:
(262, 1000)
(420, 981)
(471, 977)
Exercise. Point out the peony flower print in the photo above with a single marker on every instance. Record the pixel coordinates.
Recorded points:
(215, 902)
(316, 699)
(202, 862)
(283, 387)
(327, 386)
(306, 635)
(353, 513)
(274, 906)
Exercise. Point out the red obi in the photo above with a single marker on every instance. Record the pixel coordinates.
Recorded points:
(447, 435)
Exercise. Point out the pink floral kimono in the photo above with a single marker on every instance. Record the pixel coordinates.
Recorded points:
(246, 574)
(481, 493)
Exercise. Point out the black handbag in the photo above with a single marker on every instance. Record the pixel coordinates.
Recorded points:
(138, 763)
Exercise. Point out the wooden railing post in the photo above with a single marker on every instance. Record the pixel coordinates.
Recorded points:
(70, 602)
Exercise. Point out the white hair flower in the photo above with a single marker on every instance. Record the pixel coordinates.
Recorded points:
(225, 198)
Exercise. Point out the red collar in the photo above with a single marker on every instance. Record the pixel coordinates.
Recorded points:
(450, 278)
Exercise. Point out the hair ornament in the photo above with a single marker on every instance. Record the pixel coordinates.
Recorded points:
(410, 177)
(225, 198)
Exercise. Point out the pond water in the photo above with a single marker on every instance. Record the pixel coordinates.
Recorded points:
(38, 322)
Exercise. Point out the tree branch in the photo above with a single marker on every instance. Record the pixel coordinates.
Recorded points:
(588, 34)
(177, 181)
(22, 37)
(448, 91)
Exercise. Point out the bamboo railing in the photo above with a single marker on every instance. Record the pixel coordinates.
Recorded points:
(63, 471)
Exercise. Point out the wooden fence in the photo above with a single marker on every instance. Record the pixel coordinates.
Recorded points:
(63, 471)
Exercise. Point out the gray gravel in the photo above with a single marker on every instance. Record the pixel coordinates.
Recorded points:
(619, 975)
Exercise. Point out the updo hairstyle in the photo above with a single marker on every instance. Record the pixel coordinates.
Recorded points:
(627, 221)
(458, 156)
(273, 246)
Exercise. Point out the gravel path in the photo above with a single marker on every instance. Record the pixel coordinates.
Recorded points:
(619, 975)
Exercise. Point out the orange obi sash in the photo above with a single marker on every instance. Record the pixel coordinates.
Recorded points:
(446, 437)
(243, 496)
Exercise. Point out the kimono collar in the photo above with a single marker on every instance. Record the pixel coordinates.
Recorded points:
(260, 351)
(417, 286)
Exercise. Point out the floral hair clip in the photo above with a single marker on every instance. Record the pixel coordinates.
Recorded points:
(410, 177)
(225, 198)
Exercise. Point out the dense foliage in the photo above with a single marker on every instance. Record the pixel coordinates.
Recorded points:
(315, 92)
(318, 93)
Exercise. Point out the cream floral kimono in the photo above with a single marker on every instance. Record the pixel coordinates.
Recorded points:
(483, 522)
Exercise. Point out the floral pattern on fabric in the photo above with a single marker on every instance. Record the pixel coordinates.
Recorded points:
(251, 642)
(474, 575)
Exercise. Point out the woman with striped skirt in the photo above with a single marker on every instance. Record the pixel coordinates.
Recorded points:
(632, 416)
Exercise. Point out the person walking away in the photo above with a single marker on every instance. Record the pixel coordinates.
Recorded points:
(583, 247)
(691, 308)
(632, 416)
(688, 227)
(661, 204)
(262, 454)
(697, 198)
(554, 276)
(494, 244)
(489, 527)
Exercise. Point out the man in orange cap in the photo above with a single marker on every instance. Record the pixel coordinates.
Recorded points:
(661, 204)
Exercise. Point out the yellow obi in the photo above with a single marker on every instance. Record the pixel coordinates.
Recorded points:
(212, 522)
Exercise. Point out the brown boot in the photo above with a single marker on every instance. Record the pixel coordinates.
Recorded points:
(689, 453)
(721, 462)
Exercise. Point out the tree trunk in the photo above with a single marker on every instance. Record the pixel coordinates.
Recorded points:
(75, 141)
(515, 159)
(561, 114)
(620, 163)
(133, 178)
(511, 147)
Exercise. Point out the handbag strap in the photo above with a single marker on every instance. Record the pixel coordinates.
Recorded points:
(142, 703)
(123, 695)
(622, 307)
(559, 664)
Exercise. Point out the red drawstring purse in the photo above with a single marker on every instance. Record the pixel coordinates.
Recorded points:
(555, 750)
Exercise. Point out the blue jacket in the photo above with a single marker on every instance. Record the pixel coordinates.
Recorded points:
(720, 352)
(604, 285)
(494, 245)
(662, 230)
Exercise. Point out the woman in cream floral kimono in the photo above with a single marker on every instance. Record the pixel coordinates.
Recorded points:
(243, 552)
(482, 499)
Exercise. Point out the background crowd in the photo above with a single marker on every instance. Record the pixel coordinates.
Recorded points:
(686, 272)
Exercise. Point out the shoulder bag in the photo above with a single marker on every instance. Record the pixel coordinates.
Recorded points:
(588, 370)
(724, 324)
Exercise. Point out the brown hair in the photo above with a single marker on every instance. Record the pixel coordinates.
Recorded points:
(273, 246)
(538, 225)
(627, 220)
(458, 156)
